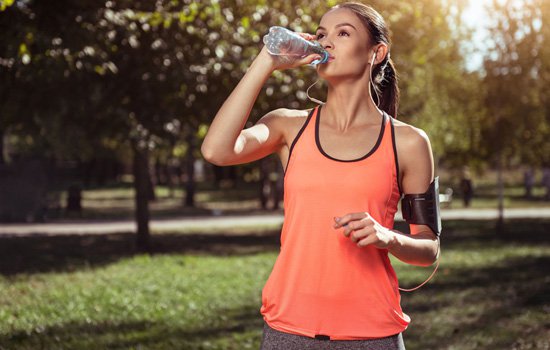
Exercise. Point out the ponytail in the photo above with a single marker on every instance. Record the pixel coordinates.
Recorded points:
(386, 86)
(384, 75)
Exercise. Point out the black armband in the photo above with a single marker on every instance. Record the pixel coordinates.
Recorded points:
(423, 208)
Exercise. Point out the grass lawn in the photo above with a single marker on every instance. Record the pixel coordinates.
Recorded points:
(202, 291)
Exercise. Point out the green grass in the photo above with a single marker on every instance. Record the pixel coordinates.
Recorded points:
(202, 291)
(161, 302)
(490, 292)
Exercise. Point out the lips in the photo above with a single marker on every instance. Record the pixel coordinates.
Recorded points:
(330, 58)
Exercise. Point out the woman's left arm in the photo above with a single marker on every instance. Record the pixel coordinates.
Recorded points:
(421, 247)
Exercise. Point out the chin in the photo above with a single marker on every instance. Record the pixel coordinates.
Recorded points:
(329, 74)
(326, 71)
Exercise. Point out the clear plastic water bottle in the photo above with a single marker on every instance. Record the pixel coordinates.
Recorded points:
(283, 42)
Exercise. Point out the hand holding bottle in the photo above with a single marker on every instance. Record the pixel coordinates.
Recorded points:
(282, 62)
(289, 49)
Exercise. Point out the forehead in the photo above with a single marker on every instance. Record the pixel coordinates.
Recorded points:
(340, 15)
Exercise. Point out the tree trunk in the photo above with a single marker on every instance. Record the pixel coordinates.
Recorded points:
(2, 159)
(169, 178)
(500, 220)
(151, 194)
(160, 178)
(89, 167)
(168, 170)
(190, 186)
(151, 182)
(141, 186)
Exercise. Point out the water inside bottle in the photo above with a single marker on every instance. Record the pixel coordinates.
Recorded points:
(288, 45)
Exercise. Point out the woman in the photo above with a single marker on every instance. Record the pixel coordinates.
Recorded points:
(346, 163)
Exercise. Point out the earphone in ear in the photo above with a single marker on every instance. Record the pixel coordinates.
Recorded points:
(374, 55)
(377, 103)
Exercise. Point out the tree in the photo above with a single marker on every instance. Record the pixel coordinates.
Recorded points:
(516, 129)
(146, 78)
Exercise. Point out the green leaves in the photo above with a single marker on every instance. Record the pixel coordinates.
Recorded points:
(516, 78)
(4, 4)
(180, 60)
(245, 22)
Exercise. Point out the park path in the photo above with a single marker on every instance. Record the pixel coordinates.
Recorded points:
(221, 221)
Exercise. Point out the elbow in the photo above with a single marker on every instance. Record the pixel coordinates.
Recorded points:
(428, 258)
(426, 263)
(432, 257)
(209, 154)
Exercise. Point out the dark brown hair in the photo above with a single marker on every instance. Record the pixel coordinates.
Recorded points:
(384, 75)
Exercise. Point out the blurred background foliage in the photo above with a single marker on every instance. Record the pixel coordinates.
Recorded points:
(98, 89)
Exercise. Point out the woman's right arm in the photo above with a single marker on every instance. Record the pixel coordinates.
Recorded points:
(226, 143)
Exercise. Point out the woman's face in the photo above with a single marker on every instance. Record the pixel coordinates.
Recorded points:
(345, 38)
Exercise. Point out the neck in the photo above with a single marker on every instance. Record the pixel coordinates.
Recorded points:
(347, 107)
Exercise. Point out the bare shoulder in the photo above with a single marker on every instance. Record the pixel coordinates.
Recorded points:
(287, 121)
(287, 114)
(415, 157)
(410, 137)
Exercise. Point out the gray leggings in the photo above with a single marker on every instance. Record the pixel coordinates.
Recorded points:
(273, 339)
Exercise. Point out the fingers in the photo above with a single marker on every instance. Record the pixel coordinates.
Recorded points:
(286, 62)
(370, 239)
(308, 59)
(313, 57)
(307, 36)
(346, 219)
(364, 230)
(293, 62)
(353, 222)
(360, 234)
(355, 229)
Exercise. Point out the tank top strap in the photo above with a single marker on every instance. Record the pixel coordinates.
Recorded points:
(305, 132)
(391, 144)
(308, 292)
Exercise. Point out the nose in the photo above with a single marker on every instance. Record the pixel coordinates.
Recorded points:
(325, 43)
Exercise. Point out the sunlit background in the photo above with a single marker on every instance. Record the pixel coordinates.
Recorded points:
(103, 109)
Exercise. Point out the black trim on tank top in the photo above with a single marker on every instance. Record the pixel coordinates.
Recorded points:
(374, 148)
(395, 155)
(296, 139)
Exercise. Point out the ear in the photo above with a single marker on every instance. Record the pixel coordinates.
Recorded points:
(381, 51)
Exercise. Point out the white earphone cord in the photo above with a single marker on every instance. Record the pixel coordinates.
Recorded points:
(370, 82)
(377, 104)
(311, 98)
(429, 278)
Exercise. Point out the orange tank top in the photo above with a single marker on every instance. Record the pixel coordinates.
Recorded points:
(322, 283)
